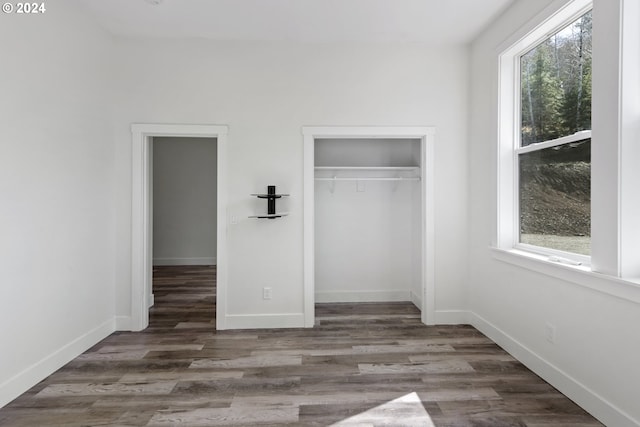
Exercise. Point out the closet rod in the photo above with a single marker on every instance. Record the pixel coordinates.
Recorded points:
(369, 179)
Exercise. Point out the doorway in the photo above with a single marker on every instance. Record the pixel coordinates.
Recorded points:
(184, 201)
(418, 145)
(142, 214)
(184, 224)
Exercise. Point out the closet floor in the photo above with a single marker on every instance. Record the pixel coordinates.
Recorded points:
(363, 364)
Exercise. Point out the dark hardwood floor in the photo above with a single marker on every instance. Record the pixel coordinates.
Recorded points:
(363, 364)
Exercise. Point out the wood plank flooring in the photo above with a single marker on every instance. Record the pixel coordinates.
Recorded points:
(363, 364)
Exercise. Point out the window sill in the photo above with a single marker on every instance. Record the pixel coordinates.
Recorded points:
(626, 289)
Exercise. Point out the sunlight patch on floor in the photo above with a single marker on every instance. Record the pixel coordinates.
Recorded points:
(406, 410)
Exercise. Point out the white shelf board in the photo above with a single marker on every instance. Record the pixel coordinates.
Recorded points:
(367, 168)
(413, 178)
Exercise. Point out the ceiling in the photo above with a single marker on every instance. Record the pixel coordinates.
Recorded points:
(425, 21)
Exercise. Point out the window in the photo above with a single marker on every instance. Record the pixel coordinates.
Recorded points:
(556, 203)
(545, 138)
(554, 153)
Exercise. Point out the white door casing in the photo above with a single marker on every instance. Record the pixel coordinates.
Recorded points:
(427, 138)
(141, 211)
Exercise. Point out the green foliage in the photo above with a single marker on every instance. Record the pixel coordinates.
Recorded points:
(556, 84)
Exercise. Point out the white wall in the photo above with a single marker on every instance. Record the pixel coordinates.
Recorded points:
(266, 93)
(363, 152)
(57, 193)
(595, 358)
(363, 242)
(184, 201)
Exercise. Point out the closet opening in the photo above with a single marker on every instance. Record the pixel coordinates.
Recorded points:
(369, 217)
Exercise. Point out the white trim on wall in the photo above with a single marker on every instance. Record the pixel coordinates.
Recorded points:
(23, 381)
(141, 232)
(452, 317)
(362, 296)
(427, 138)
(597, 405)
(123, 323)
(416, 300)
(266, 321)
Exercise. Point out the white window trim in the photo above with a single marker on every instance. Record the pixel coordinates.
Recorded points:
(626, 289)
(536, 146)
(615, 263)
(629, 146)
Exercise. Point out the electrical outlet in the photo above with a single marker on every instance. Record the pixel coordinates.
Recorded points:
(233, 219)
(550, 333)
(266, 293)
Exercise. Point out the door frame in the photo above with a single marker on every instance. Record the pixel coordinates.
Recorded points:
(142, 211)
(427, 138)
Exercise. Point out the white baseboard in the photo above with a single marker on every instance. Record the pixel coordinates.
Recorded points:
(593, 403)
(264, 321)
(35, 373)
(362, 296)
(452, 317)
(184, 261)
(123, 323)
(151, 301)
(416, 300)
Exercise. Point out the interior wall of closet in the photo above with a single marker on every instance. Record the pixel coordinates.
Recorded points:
(368, 234)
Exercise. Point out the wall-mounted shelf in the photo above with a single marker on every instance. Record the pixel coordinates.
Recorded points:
(271, 197)
(268, 196)
(367, 172)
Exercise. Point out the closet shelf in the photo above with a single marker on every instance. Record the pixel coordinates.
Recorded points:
(396, 178)
(367, 168)
(367, 173)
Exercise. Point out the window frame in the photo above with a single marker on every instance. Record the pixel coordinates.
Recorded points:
(509, 137)
(615, 176)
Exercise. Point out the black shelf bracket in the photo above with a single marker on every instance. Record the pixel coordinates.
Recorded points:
(271, 197)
